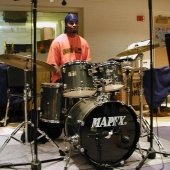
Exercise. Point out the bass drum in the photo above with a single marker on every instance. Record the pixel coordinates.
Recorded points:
(113, 126)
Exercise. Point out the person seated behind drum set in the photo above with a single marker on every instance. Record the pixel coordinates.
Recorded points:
(67, 47)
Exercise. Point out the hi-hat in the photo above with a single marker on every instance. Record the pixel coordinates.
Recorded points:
(25, 62)
(137, 50)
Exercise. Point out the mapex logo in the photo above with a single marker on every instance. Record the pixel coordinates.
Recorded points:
(108, 121)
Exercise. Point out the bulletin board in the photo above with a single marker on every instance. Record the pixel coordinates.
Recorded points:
(161, 27)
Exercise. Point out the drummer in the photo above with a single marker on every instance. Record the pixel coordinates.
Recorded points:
(67, 47)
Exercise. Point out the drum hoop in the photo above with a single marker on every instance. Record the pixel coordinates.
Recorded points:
(49, 121)
(110, 62)
(76, 62)
(80, 89)
(51, 85)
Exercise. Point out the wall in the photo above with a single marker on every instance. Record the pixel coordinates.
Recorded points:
(109, 26)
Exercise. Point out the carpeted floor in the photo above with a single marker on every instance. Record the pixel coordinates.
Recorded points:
(18, 153)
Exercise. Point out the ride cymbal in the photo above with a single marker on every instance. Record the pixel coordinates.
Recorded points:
(137, 50)
(25, 62)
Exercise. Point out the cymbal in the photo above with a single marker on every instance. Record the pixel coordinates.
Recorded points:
(137, 50)
(25, 62)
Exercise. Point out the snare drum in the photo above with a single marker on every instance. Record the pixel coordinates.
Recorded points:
(51, 96)
(111, 74)
(77, 80)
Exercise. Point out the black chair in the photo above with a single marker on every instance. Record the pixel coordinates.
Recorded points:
(3, 90)
(16, 81)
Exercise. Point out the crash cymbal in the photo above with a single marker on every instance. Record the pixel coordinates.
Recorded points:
(137, 50)
(25, 62)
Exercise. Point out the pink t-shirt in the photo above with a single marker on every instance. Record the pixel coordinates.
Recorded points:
(65, 49)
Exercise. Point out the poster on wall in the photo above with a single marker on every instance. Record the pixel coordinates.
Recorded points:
(161, 27)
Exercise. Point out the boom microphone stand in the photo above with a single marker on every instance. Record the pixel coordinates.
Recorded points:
(35, 164)
(151, 152)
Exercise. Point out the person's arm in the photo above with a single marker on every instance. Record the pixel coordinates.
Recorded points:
(53, 57)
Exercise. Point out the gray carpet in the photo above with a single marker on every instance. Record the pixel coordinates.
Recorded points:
(15, 152)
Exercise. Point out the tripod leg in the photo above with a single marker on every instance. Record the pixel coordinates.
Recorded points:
(140, 150)
(146, 127)
(43, 134)
(12, 136)
(6, 112)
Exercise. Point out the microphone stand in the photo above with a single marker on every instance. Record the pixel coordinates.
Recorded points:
(35, 164)
(151, 152)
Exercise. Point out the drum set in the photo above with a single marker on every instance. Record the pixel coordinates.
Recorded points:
(103, 128)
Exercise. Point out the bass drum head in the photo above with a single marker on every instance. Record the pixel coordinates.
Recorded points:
(92, 122)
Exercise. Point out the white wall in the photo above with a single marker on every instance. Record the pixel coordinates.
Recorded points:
(109, 25)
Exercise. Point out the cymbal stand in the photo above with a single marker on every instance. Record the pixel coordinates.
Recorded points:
(144, 125)
(141, 89)
(146, 128)
(128, 86)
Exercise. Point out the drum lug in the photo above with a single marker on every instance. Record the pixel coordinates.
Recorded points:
(80, 148)
(82, 84)
(64, 70)
(65, 86)
(81, 122)
(69, 117)
(90, 72)
(109, 72)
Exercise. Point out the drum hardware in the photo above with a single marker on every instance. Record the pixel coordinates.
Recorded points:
(111, 122)
(128, 88)
(129, 75)
(102, 98)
